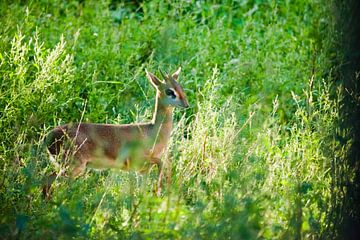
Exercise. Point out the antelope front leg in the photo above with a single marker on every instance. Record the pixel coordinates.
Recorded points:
(158, 162)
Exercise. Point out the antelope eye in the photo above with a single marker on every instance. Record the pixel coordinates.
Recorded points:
(170, 93)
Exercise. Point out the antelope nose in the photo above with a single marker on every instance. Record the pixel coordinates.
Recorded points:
(186, 105)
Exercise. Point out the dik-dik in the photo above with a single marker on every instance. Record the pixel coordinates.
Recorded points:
(126, 146)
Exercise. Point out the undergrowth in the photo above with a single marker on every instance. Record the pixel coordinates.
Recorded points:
(258, 154)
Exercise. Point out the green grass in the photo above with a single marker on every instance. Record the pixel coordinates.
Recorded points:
(256, 156)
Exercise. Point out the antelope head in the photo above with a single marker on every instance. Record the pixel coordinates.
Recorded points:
(169, 91)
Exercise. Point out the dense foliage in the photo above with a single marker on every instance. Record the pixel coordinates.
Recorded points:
(258, 154)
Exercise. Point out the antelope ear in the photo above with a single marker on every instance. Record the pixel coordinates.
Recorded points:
(176, 74)
(153, 79)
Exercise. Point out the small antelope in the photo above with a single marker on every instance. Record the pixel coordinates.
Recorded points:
(126, 146)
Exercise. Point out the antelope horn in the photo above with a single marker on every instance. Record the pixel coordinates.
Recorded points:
(163, 75)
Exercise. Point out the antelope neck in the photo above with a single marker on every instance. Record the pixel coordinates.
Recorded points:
(162, 113)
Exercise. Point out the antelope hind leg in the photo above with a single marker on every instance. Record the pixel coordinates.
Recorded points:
(46, 187)
(49, 180)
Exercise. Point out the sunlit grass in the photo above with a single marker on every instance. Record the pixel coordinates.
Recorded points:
(257, 155)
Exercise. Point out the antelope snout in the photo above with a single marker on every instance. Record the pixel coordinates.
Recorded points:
(186, 104)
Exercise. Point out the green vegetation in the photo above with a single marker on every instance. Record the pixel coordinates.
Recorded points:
(258, 154)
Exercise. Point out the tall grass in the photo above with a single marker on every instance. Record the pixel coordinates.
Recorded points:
(256, 156)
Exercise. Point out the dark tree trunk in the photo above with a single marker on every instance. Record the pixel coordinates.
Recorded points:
(348, 25)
